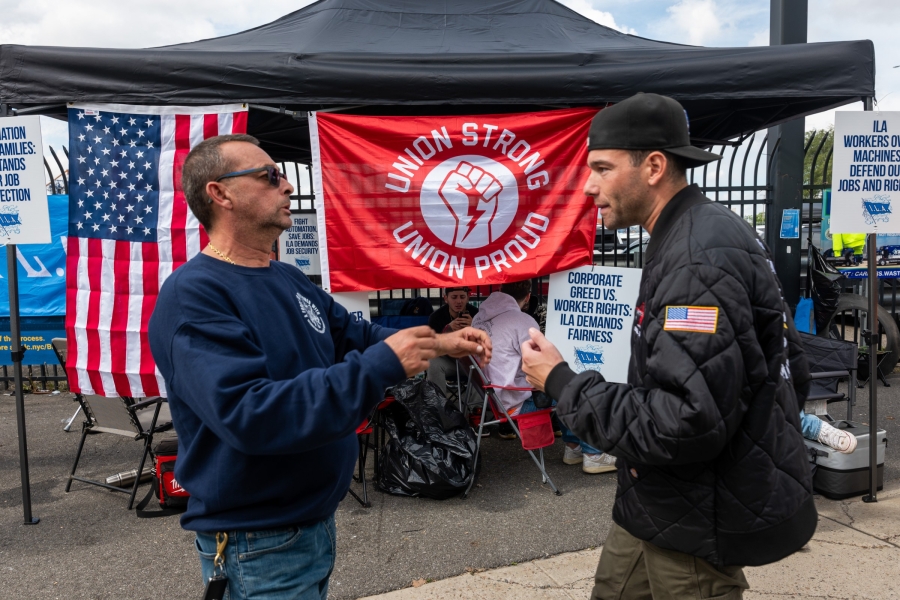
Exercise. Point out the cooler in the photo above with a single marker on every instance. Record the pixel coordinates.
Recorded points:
(840, 476)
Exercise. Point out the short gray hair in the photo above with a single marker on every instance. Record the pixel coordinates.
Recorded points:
(206, 163)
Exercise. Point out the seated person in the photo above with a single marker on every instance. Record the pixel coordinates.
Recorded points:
(455, 314)
(501, 317)
(814, 428)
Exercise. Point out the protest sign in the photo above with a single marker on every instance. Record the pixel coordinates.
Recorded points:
(356, 303)
(299, 245)
(866, 173)
(589, 316)
(24, 217)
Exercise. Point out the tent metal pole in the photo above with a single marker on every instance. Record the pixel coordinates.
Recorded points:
(787, 25)
(298, 115)
(37, 109)
(874, 336)
(280, 111)
(17, 352)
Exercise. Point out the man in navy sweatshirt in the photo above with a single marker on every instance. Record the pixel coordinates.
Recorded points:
(267, 379)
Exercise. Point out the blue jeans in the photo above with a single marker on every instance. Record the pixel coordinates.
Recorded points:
(292, 563)
(810, 425)
(567, 436)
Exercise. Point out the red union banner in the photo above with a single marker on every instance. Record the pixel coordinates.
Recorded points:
(411, 202)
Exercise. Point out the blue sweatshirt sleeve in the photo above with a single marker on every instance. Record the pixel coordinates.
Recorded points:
(257, 415)
(348, 333)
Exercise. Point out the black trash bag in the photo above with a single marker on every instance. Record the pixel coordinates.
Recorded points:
(824, 288)
(430, 451)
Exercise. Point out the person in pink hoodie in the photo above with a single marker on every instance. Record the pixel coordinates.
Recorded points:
(501, 317)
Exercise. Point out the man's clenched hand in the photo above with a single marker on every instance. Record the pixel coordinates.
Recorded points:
(414, 347)
(539, 357)
(466, 342)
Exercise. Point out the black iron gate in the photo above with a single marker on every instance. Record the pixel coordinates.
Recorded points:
(740, 180)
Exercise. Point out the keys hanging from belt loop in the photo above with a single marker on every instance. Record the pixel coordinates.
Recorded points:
(215, 587)
(221, 542)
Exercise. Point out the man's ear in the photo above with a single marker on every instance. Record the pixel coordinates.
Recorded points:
(219, 194)
(656, 164)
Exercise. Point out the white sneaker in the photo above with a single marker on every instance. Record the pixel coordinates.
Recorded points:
(842, 441)
(598, 463)
(573, 456)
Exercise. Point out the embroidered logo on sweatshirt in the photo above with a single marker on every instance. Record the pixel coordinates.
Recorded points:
(312, 314)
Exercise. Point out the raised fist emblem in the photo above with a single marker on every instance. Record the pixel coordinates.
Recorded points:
(469, 201)
(472, 195)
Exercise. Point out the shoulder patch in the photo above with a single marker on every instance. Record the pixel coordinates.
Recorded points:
(699, 319)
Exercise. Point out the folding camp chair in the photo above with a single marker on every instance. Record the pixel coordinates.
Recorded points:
(367, 431)
(534, 430)
(830, 361)
(363, 433)
(456, 388)
(60, 348)
(121, 416)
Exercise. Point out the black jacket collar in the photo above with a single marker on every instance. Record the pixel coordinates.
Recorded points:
(677, 206)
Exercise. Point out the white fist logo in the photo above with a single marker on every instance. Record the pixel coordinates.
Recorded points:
(469, 201)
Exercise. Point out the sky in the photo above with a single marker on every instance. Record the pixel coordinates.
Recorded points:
(138, 23)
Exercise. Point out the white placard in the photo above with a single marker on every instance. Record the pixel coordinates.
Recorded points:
(356, 303)
(24, 216)
(589, 316)
(866, 173)
(299, 245)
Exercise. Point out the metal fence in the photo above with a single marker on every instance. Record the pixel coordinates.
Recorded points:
(741, 181)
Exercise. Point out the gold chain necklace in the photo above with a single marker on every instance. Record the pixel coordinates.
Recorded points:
(222, 256)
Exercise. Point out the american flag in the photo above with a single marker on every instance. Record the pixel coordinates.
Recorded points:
(700, 319)
(129, 228)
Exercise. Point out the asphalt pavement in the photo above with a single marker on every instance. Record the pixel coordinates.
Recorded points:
(88, 545)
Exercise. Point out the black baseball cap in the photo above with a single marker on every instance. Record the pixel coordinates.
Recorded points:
(647, 122)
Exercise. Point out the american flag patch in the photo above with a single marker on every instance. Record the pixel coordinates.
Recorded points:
(699, 319)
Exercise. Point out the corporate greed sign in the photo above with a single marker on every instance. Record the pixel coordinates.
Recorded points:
(866, 173)
(589, 316)
(24, 218)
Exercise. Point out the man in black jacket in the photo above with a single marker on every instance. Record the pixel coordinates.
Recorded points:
(712, 470)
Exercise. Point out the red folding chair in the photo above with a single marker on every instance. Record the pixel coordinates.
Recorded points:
(369, 428)
(534, 430)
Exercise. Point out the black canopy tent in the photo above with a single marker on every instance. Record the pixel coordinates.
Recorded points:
(440, 57)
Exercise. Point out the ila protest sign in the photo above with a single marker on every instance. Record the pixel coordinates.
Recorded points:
(866, 172)
(24, 217)
(356, 303)
(299, 245)
(589, 316)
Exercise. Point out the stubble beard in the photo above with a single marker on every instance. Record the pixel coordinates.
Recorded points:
(627, 207)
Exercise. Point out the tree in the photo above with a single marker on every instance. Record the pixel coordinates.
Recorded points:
(820, 177)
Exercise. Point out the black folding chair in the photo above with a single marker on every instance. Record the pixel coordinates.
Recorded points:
(830, 362)
(121, 416)
(60, 348)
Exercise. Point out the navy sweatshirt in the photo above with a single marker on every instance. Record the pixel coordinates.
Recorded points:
(267, 379)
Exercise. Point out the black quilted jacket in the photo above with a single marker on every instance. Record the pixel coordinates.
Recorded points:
(707, 431)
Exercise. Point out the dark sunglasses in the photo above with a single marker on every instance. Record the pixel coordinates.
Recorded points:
(274, 174)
